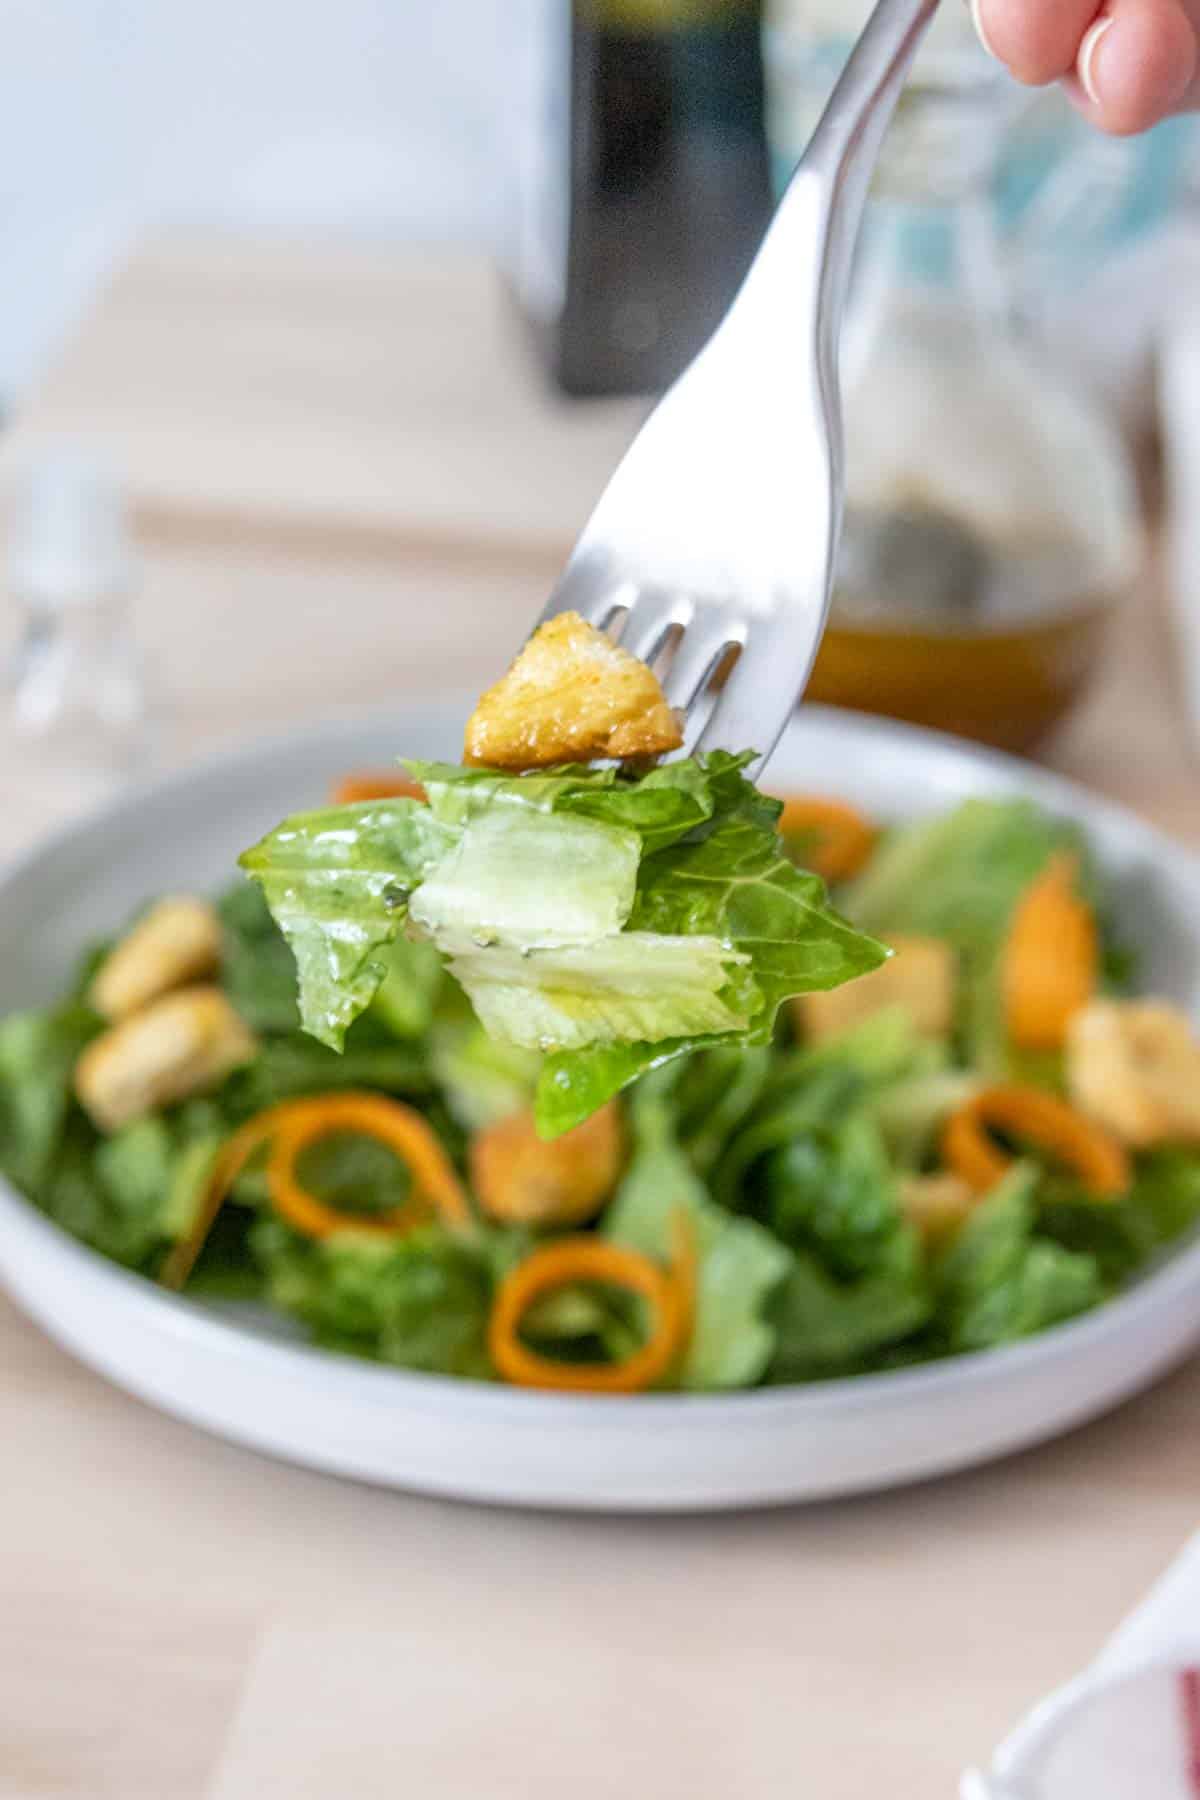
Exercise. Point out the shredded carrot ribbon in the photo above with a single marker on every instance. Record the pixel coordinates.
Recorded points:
(294, 1126)
(844, 840)
(1051, 958)
(1041, 1119)
(670, 1293)
(375, 784)
(436, 1186)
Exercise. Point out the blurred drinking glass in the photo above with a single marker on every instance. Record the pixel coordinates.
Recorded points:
(74, 723)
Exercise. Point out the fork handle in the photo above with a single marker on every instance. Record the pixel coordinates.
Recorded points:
(844, 148)
(848, 134)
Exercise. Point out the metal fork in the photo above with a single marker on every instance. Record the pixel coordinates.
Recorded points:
(718, 532)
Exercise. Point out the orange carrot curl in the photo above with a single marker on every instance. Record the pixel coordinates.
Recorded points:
(292, 1128)
(1042, 1120)
(375, 784)
(842, 839)
(669, 1293)
(1051, 959)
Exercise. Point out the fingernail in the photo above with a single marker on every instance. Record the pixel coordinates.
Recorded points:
(1086, 64)
(977, 21)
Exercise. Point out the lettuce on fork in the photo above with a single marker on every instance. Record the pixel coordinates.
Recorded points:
(611, 917)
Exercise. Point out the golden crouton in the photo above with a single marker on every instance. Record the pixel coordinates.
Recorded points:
(179, 1045)
(921, 977)
(1134, 1065)
(936, 1204)
(571, 696)
(523, 1180)
(177, 941)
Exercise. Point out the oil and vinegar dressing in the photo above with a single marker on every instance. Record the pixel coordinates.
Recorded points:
(931, 625)
(991, 522)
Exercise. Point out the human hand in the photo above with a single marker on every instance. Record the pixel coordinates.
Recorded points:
(1125, 67)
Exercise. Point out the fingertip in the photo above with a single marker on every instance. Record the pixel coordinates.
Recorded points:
(1135, 65)
(981, 30)
(1085, 62)
(1038, 43)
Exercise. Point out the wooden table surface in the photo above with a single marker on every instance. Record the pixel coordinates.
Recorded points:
(350, 488)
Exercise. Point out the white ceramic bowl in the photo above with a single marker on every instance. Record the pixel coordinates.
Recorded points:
(240, 1376)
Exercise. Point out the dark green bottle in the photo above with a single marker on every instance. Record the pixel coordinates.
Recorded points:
(643, 184)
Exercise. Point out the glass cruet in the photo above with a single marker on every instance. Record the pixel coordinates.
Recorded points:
(991, 515)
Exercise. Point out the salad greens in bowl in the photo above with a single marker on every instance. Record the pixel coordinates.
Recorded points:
(332, 1351)
(609, 1079)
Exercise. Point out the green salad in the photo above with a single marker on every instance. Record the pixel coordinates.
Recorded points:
(577, 1078)
(611, 920)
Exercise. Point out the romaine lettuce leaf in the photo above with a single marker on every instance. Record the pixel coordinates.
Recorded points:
(126, 1195)
(731, 881)
(959, 875)
(713, 1095)
(584, 1324)
(574, 1084)
(1162, 1206)
(833, 1192)
(660, 807)
(258, 970)
(529, 880)
(529, 909)
(338, 883)
(407, 997)
(458, 793)
(912, 1111)
(420, 1301)
(134, 1171)
(1165, 1196)
(356, 1175)
(884, 1049)
(825, 1327)
(614, 920)
(629, 986)
(294, 1064)
(187, 1182)
(483, 1078)
(983, 1029)
(813, 1163)
(38, 1052)
(663, 807)
(819, 1087)
(739, 1263)
(1000, 1281)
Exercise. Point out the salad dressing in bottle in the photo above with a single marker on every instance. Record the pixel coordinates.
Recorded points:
(991, 520)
